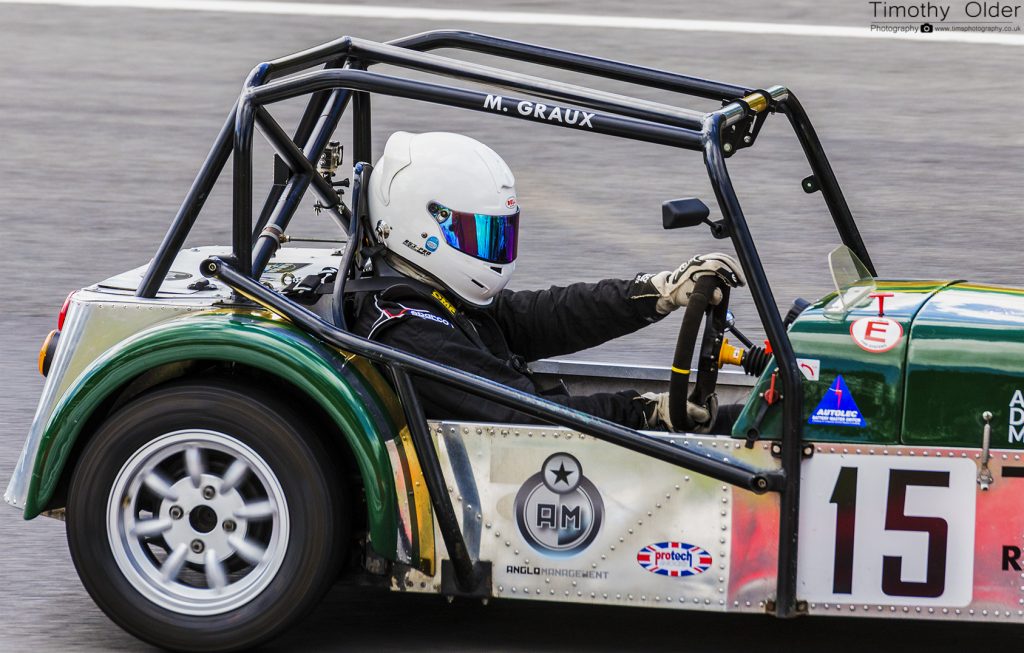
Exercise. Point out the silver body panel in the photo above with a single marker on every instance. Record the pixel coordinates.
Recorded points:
(492, 470)
(104, 314)
(645, 501)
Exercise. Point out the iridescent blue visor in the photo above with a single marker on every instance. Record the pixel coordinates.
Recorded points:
(491, 238)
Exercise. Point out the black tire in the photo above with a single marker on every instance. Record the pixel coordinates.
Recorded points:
(317, 513)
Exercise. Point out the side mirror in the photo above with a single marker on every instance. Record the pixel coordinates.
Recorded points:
(690, 212)
(685, 212)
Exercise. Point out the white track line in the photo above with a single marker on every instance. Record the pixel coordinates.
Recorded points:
(529, 18)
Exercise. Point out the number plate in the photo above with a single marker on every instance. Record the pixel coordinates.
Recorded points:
(887, 530)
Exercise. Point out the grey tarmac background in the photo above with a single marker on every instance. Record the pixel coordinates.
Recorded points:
(105, 115)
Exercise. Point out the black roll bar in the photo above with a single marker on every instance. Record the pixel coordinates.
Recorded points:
(345, 80)
(313, 134)
(785, 357)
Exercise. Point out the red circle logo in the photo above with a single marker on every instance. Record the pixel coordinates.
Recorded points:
(876, 334)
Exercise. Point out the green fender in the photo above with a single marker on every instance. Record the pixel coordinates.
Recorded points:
(335, 380)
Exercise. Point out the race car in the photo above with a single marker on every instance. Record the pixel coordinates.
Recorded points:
(223, 448)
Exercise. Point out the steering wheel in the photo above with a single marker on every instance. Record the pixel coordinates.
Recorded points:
(698, 307)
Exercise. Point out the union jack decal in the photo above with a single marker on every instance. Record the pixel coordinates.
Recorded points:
(675, 559)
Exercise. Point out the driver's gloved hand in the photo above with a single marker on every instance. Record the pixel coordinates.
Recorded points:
(676, 286)
(656, 410)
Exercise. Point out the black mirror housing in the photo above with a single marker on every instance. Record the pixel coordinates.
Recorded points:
(684, 212)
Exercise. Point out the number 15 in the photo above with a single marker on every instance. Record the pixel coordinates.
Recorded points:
(844, 496)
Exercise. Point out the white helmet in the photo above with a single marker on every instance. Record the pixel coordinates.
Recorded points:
(446, 204)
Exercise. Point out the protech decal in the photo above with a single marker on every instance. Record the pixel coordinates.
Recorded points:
(539, 111)
(675, 559)
(1016, 429)
(837, 408)
(558, 510)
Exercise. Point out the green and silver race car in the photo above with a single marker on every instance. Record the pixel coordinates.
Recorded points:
(223, 449)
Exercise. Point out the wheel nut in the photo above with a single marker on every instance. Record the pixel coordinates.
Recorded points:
(229, 526)
(176, 512)
(209, 492)
(197, 546)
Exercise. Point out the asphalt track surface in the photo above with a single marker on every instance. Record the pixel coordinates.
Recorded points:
(106, 114)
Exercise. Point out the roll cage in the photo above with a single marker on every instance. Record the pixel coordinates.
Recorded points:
(336, 76)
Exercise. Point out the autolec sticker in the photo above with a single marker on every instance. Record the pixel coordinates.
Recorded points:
(675, 559)
(876, 334)
(837, 408)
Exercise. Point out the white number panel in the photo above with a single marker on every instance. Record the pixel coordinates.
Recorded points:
(889, 530)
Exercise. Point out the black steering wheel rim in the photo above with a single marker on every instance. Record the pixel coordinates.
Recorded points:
(699, 307)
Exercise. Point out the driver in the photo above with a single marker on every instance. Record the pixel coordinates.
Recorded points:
(444, 206)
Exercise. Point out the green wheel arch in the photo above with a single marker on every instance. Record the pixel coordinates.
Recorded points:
(328, 377)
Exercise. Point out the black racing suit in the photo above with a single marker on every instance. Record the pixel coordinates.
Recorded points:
(497, 341)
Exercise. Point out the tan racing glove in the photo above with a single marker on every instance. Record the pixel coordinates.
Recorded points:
(658, 416)
(676, 286)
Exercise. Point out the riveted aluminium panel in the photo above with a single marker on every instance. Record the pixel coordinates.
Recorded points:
(566, 517)
(924, 540)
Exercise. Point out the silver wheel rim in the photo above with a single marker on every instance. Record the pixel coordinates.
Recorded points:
(197, 522)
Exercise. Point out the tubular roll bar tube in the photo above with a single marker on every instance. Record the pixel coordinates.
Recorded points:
(358, 80)
(567, 60)
(189, 210)
(241, 196)
(719, 468)
(571, 93)
(312, 117)
(433, 476)
(361, 80)
(789, 373)
(294, 157)
(215, 161)
(303, 174)
(297, 184)
(826, 178)
(336, 52)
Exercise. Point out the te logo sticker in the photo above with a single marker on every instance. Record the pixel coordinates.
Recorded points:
(876, 334)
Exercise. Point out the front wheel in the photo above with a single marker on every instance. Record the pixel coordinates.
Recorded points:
(205, 516)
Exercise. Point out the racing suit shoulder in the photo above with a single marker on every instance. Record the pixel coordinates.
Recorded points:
(389, 309)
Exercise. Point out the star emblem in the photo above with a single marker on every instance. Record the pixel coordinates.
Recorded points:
(561, 474)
